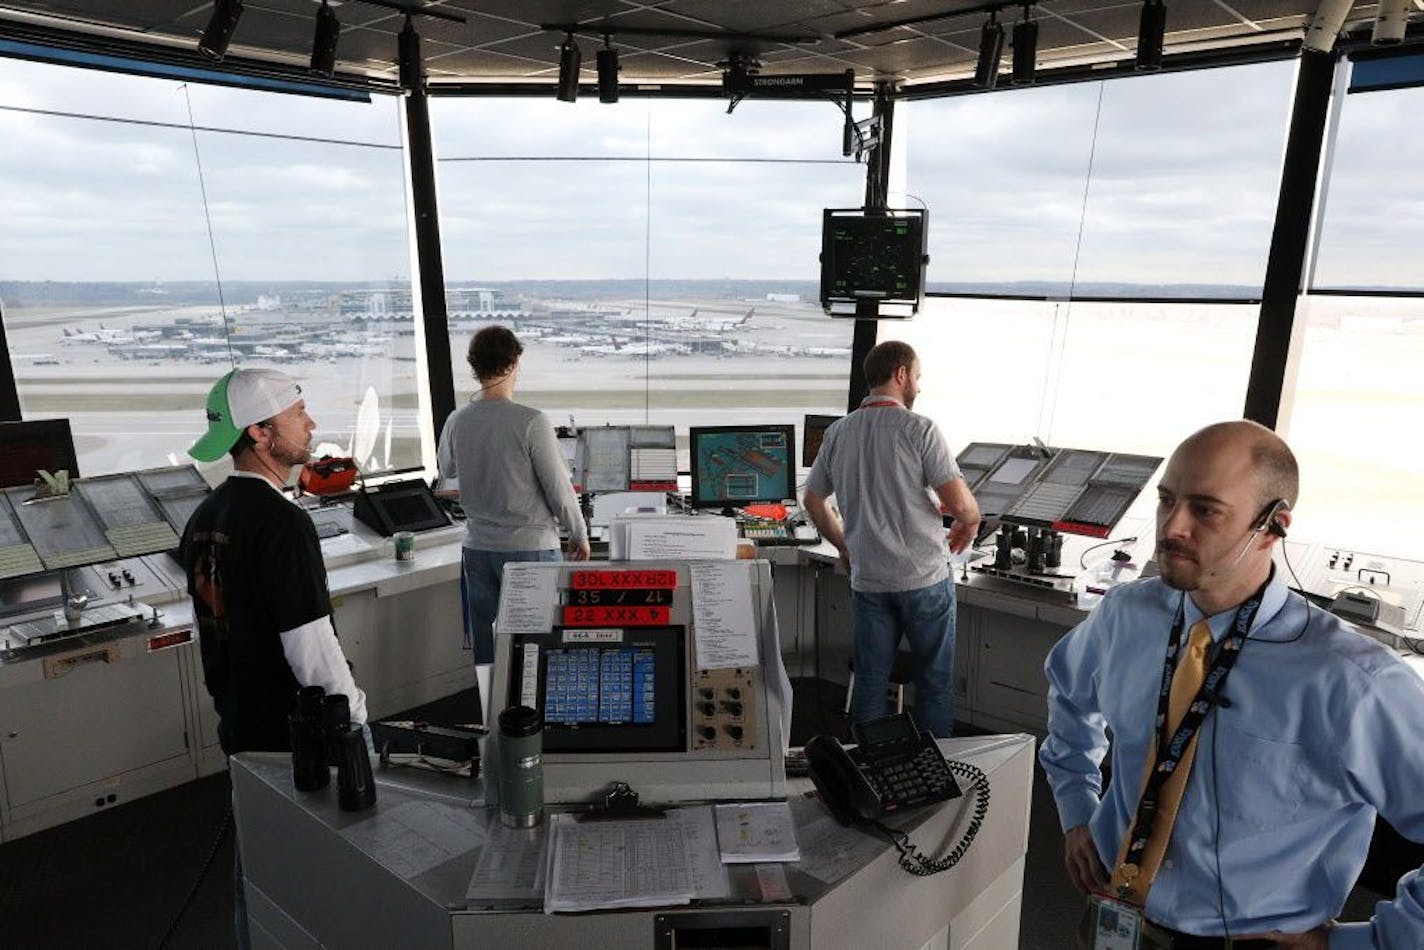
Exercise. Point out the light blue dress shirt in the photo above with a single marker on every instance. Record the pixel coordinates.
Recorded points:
(1323, 730)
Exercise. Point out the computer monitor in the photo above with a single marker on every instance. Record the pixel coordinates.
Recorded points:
(601, 693)
(872, 257)
(813, 430)
(27, 447)
(742, 465)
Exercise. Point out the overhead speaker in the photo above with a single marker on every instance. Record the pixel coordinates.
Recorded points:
(570, 59)
(991, 50)
(328, 31)
(220, 27)
(1151, 34)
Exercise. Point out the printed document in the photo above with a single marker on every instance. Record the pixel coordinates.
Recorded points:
(756, 831)
(604, 864)
(527, 599)
(722, 619)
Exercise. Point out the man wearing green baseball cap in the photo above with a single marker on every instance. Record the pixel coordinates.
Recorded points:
(256, 575)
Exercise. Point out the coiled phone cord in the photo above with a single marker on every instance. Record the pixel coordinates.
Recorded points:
(920, 865)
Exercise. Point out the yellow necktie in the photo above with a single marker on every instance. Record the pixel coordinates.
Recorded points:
(1133, 881)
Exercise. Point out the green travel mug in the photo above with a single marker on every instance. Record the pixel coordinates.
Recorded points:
(521, 768)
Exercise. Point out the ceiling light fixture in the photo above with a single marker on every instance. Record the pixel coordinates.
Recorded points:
(1151, 33)
(991, 48)
(570, 58)
(328, 30)
(1025, 49)
(218, 34)
(607, 72)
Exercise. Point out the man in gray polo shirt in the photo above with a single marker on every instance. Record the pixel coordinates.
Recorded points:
(891, 473)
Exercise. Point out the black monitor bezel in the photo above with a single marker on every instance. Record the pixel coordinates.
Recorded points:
(55, 433)
(916, 247)
(821, 422)
(696, 433)
(667, 732)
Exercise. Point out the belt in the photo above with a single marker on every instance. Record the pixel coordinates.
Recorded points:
(1166, 938)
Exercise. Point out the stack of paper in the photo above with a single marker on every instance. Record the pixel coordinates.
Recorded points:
(603, 864)
(671, 537)
(757, 831)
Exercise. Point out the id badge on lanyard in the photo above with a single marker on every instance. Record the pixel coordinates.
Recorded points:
(1113, 925)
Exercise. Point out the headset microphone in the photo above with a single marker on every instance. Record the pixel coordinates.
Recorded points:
(1266, 522)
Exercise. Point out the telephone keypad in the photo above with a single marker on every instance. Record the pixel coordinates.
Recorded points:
(918, 778)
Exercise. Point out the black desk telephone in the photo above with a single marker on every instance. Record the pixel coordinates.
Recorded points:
(895, 766)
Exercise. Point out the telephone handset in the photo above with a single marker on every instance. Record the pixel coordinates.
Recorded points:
(845, 790)
(894, 766)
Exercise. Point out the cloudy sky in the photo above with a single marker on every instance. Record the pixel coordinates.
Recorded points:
(1161, 179)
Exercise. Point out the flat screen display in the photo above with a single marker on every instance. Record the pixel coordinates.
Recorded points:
(872, 255)
(813, 432)
(27, 447)
(741, 465)
(611, 685)
(604, 689)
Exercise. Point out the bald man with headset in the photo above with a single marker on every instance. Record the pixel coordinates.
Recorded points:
(1242, 795)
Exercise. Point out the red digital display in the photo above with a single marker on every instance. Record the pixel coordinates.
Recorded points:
(163, 641)
(590, 616)
(653, 486)
(622, 580)
(1074, 527)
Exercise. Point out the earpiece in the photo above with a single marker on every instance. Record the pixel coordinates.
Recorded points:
(1268, 521)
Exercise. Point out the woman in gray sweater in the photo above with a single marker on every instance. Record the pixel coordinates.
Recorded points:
(514, 487)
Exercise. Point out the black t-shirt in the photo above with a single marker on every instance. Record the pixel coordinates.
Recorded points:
(254, 570)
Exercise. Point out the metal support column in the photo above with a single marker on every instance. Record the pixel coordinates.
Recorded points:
(431, 276)
(877, 185)
(1289, 239)
(9, 393)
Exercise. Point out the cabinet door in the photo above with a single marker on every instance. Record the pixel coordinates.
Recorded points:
(113, 711)
(1009, 684)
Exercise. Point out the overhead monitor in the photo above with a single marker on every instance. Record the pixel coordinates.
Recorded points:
(872, 258)
(741, 465)
(28, 447)
(813, 431)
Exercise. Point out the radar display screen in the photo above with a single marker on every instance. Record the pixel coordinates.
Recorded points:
(740, 465)
(878, 255)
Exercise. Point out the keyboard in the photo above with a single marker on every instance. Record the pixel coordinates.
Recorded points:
(147, 538)
(776, 533)
(17, 560)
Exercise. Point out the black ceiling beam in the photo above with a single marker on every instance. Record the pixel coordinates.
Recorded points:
(614, 29)
(649, 89)
(996, 7)
(139, 56)
(413, 9)
(1274, 51)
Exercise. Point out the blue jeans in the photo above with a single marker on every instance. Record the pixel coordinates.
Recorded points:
(479, 589)
(926, 618)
